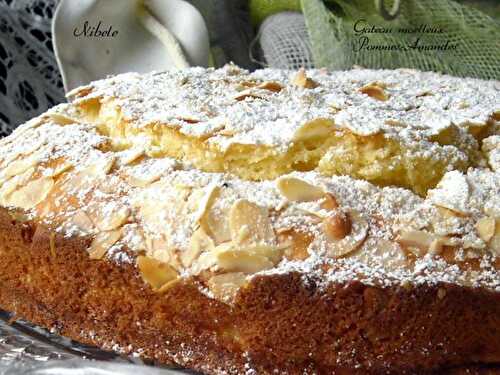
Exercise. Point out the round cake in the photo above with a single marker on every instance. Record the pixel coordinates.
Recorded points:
(273, 222)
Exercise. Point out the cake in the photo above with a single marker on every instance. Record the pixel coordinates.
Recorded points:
(288, 222)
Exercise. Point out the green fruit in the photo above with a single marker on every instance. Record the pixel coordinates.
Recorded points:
(260, 9)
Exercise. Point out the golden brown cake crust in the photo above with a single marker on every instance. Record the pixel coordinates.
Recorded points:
(414, 329)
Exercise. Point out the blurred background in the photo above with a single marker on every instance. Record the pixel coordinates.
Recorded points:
(257, 33)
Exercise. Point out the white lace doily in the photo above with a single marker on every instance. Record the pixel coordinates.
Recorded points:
(29, 79)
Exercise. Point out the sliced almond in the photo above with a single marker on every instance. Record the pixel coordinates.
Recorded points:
(216, 224)
(492, 210)
(62, 119)
(189, 119)
(395, 122)
(271, 86)
(232, 69)
(329, 203)
(314, 129)
(157, 274)
(246, 84)
(60, 169)
(416, 238)
(76, 182)
(273, 253)
(107, 111)
(205, 261)
(225, 286)
(212, 219)
(300, 79)
(250, 225)
(144, 181)
(79, 92)
(82, 221)
(31, 194)
(452, 192)
(149, 211)
(351, 242)
(227, 132)
(100, 168)
(131, 155)
(382, 252)
(30, 150)
(486, 228)
(232, 260)
(102, 243)
(420, 242)
(375, 91)
(494, 243)
(116, 218)
(337, 225)
(298, 190)
(200, 242)
(12, 184)
(109, 216)
(247, 94)
(158, 247)
(21, 165)
(106, 165)
(316, 216)
(436, 246)
(211, 193)
(147, 172)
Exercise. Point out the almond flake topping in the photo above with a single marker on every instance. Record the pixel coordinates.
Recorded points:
(200, 242)
(337, 225)
(295, 189)
(486, 228)
(375, 90)
(31, 194)
(271, 86)
(353, 238)
(21, 165)
(155, 273)
(100, 168)
(301, 80)
(109, 216)
(117, 185)
(102, 243)
(249, 225)
(82, 221)
(231, 259)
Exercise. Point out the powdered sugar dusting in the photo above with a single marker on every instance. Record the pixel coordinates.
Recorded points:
(154, 206)
(200, 102)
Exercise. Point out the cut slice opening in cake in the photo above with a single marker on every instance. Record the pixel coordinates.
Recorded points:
(258, 126)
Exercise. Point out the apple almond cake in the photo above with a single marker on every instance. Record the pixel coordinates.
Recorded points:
(288, 222)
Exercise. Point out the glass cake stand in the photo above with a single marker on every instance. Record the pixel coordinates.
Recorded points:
(28, 349)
